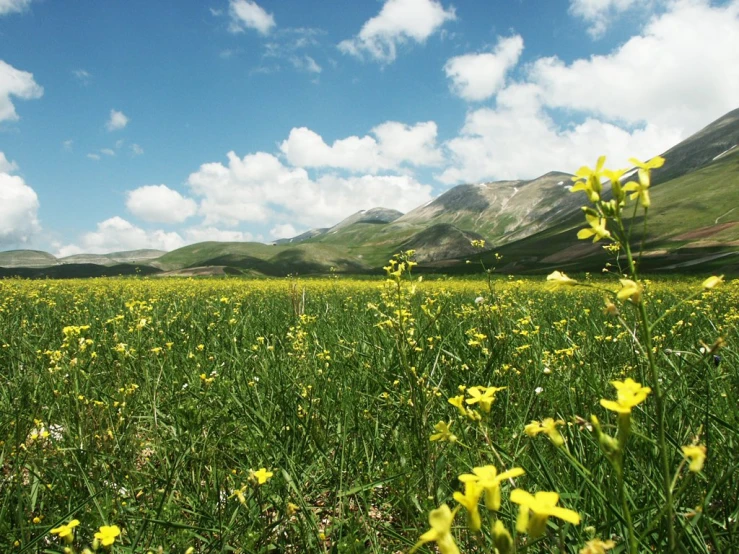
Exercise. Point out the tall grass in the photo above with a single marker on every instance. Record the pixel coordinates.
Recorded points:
(150, 405)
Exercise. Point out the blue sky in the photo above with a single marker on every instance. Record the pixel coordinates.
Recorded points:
(156, 124)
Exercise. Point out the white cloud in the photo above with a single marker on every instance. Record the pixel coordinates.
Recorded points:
(18, 207)
(651, 92)
(600, 13)
(13, 6)
(519, 140)
(283, 231)
(7, 166)
(477, 77)
(94, 156)
(306, 63)
(68, 145)
(118, 235)
(206, 234)
(160, 204)
(117, 121)
(82, 76)
(246, 14)
(14, 82)
(107, 151)
(253, 187)
(681, 71)
(397, 22)
(393, 145)
(136, 150)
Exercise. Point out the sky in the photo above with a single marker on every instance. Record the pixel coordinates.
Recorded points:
(130, 124)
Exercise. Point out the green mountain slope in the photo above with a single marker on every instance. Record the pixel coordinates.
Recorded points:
(278, 260)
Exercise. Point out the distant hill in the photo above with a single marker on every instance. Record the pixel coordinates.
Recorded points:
(693, 226)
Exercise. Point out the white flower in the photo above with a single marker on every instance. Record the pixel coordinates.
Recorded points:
(479, 300)
(538, 390)
(547, 371)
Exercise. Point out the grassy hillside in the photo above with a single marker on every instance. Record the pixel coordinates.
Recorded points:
(26, 258)
(266, 259)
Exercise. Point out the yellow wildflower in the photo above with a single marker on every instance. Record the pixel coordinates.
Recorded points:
(444, 434)
(502, 538)
(66, 531)
(458, 402)
(557, 278)
(713, 281)
(470, 500)
(485, 396)
(597, 229)
(262, 475)
(588, 180)
(630, 290)
(489, 480)
(107, 534)
(629, 394)
(535, 510)
(441, 521)
(697, 456)
(597, 546)
(548, 426)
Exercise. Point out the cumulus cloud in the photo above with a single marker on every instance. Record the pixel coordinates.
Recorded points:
(107, 151)
(654, 90)
(18, 207)
(159, 204)
(519, 140)
(6, 165)
(253, 187)
(13, 6)
(93, 156)
(116, 121)
(118, 235)
(283, 231)
(669, 74)
(205, 234)
(398, 22)
(14, 82)
(136, 150)
(600, 13)
(246, 14)
(477, 77)
(393, 145)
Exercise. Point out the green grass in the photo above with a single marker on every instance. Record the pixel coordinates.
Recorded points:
(341, 410)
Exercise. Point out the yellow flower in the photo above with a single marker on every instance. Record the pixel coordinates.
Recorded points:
(614, 176)
(588, 180)
(629, 291)
(458, 402)
(441, 521)
(558, 278)
(470, 500)
(597, 546)
(489, 480)
(444, 434)
(713, 281)
(629, 394)
(697, 456)
(535, 510)
(66, 531)
(548, 426)
(485, 396)
(641, 189)
(597, 229)
(502, 539)
(262, 476)
(107, 534)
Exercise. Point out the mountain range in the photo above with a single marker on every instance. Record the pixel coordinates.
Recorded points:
(693, 226)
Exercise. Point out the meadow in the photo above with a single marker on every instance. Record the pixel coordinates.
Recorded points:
(336, 415)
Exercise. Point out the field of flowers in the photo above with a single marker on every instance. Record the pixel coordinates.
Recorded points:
(336, 415)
